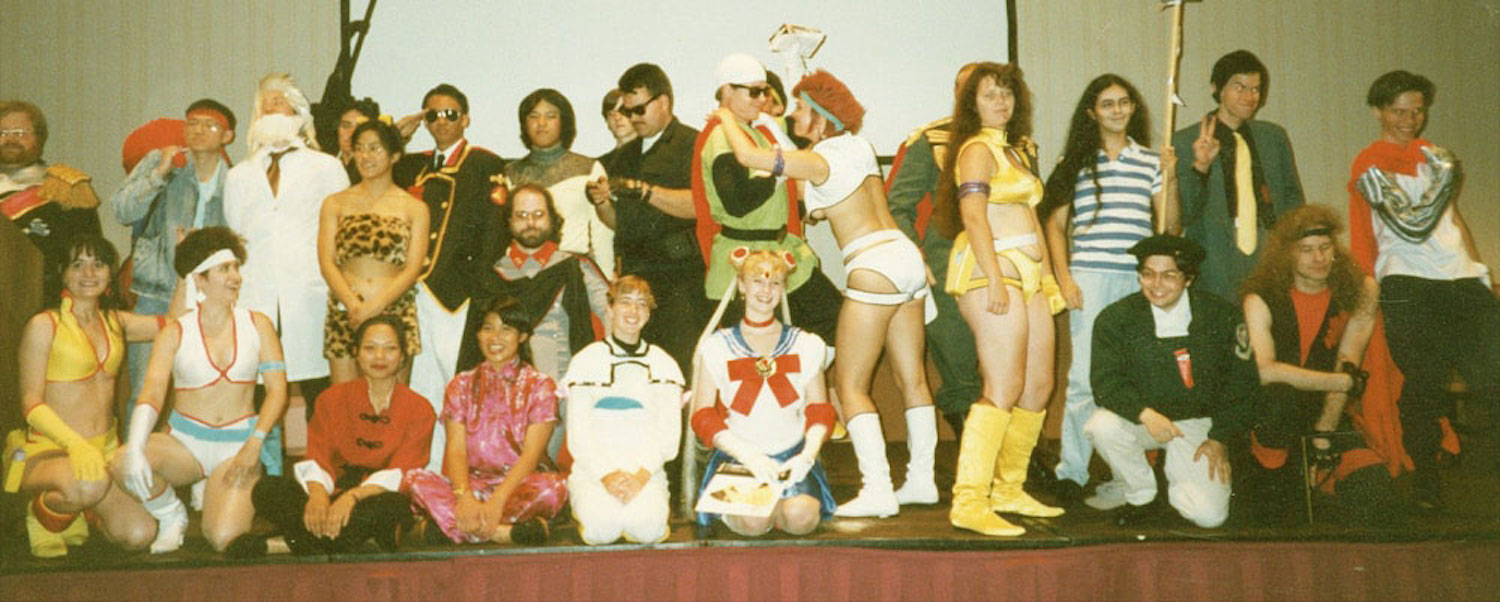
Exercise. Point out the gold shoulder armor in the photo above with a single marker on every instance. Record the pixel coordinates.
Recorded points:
(68, 187)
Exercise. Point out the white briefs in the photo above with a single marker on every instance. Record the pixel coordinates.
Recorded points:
(893, 256)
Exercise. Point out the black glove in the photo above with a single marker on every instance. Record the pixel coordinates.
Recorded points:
(1357, 378)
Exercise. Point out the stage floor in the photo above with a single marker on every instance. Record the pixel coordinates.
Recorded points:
(1472, 516)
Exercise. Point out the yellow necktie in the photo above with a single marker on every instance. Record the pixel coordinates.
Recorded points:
(1245, 221)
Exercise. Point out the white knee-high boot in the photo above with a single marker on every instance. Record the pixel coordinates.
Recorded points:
(921, 442)
(876, 497)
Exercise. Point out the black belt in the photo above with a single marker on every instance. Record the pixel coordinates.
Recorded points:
(738, 234)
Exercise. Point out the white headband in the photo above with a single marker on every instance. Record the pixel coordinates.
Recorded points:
(218, 257)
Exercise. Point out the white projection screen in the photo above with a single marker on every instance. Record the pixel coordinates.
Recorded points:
(898, 56)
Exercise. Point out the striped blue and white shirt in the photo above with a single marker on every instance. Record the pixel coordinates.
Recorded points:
(1102, 233)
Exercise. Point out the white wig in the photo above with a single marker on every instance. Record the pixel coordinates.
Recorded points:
(283, 82)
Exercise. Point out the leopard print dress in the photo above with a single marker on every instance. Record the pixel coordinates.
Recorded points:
(384, 238)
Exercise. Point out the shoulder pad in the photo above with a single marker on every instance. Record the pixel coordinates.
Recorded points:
(68, 187)
(936, 132)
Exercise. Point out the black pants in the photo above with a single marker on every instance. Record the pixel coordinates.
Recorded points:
(1434, 328)
(282, 501)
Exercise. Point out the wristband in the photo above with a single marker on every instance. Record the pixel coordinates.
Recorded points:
(259, 435)
(780, 163)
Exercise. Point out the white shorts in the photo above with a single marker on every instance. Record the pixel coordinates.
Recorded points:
(892, 255)
(210, 445)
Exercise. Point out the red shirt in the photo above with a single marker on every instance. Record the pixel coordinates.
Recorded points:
(346, 431)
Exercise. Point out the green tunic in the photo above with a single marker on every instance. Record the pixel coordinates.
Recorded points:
(770, 215)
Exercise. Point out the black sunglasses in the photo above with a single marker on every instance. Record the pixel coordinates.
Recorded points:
(639, 109)
(449, 114)
(755, 91)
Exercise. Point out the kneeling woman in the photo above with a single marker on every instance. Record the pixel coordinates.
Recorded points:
(217, 441)
(364, 436)
(759, 401)
(497, 484)
(69, 358)
(887, 288)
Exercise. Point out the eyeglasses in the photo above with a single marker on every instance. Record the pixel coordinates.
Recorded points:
(755, 91)
(16, 133)
(449, 114)
(639, 109)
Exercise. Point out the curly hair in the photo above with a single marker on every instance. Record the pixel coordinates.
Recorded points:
(966, 124)
(831, 94)
(199, 244)
(1275, 271)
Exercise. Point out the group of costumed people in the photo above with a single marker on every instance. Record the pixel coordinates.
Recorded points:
(539, 380)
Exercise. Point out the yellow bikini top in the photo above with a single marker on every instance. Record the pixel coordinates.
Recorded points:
(73, 356)
(1009, 185)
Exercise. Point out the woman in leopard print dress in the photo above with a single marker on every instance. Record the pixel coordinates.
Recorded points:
(372, 242)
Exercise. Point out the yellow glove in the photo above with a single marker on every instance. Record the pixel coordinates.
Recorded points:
(87, 460)
(1055, 301)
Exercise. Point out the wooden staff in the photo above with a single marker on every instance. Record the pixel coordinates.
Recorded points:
(1169, 122)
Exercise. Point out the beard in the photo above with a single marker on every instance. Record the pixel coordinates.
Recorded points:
(534, 237)
(14, 154)
(276, 131)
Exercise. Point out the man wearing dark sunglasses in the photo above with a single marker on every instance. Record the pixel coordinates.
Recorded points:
(751, 208)
(648, 200)
(463, 186)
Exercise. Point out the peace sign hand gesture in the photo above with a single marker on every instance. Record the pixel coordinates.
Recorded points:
(1206, 147)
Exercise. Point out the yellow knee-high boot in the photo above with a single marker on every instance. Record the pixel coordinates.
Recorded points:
(983, 431)
(50, 532)
(1007, 493)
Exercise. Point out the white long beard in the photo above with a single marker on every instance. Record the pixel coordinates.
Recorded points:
(276, 131)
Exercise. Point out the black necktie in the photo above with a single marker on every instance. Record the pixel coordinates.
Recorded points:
(438, 162)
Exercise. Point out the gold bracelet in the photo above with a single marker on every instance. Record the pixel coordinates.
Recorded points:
(460, 492)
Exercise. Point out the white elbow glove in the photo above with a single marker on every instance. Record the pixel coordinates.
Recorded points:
(138, 477)
(762, 466)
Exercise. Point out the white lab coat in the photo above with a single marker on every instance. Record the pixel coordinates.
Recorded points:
(281, 275)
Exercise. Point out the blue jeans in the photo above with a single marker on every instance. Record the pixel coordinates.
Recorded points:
(1100, 289)
(139, 354)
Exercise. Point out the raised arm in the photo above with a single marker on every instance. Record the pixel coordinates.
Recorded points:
(1166, 203)
(796, 164)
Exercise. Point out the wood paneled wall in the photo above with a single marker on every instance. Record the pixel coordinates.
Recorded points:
(1322, 57)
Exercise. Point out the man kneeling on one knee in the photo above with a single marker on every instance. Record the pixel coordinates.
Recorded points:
(1171, 371)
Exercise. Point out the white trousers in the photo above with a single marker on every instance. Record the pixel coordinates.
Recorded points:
(442, 334)
(602, 519)
(1123, 445)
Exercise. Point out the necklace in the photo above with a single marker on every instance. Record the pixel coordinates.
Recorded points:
(753, 324)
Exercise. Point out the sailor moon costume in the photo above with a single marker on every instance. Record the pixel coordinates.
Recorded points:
(762, 401)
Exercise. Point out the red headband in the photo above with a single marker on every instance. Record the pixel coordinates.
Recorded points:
(210, 113)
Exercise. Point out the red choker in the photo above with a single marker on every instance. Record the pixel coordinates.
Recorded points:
(769, 321)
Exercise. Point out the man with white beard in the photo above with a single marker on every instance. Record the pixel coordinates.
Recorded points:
(272, 199)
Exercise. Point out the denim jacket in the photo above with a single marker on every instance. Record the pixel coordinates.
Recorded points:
(156, 241)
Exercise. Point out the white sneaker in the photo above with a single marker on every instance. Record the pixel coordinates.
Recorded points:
(1107, 496)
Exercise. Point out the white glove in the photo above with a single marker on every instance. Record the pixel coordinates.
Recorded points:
(798, 466)
(760, 465)
(137, 469)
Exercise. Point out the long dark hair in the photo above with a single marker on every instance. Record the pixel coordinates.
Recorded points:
(1084, 142)
(966, 124)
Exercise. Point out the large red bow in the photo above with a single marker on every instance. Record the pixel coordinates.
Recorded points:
(754, 372)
